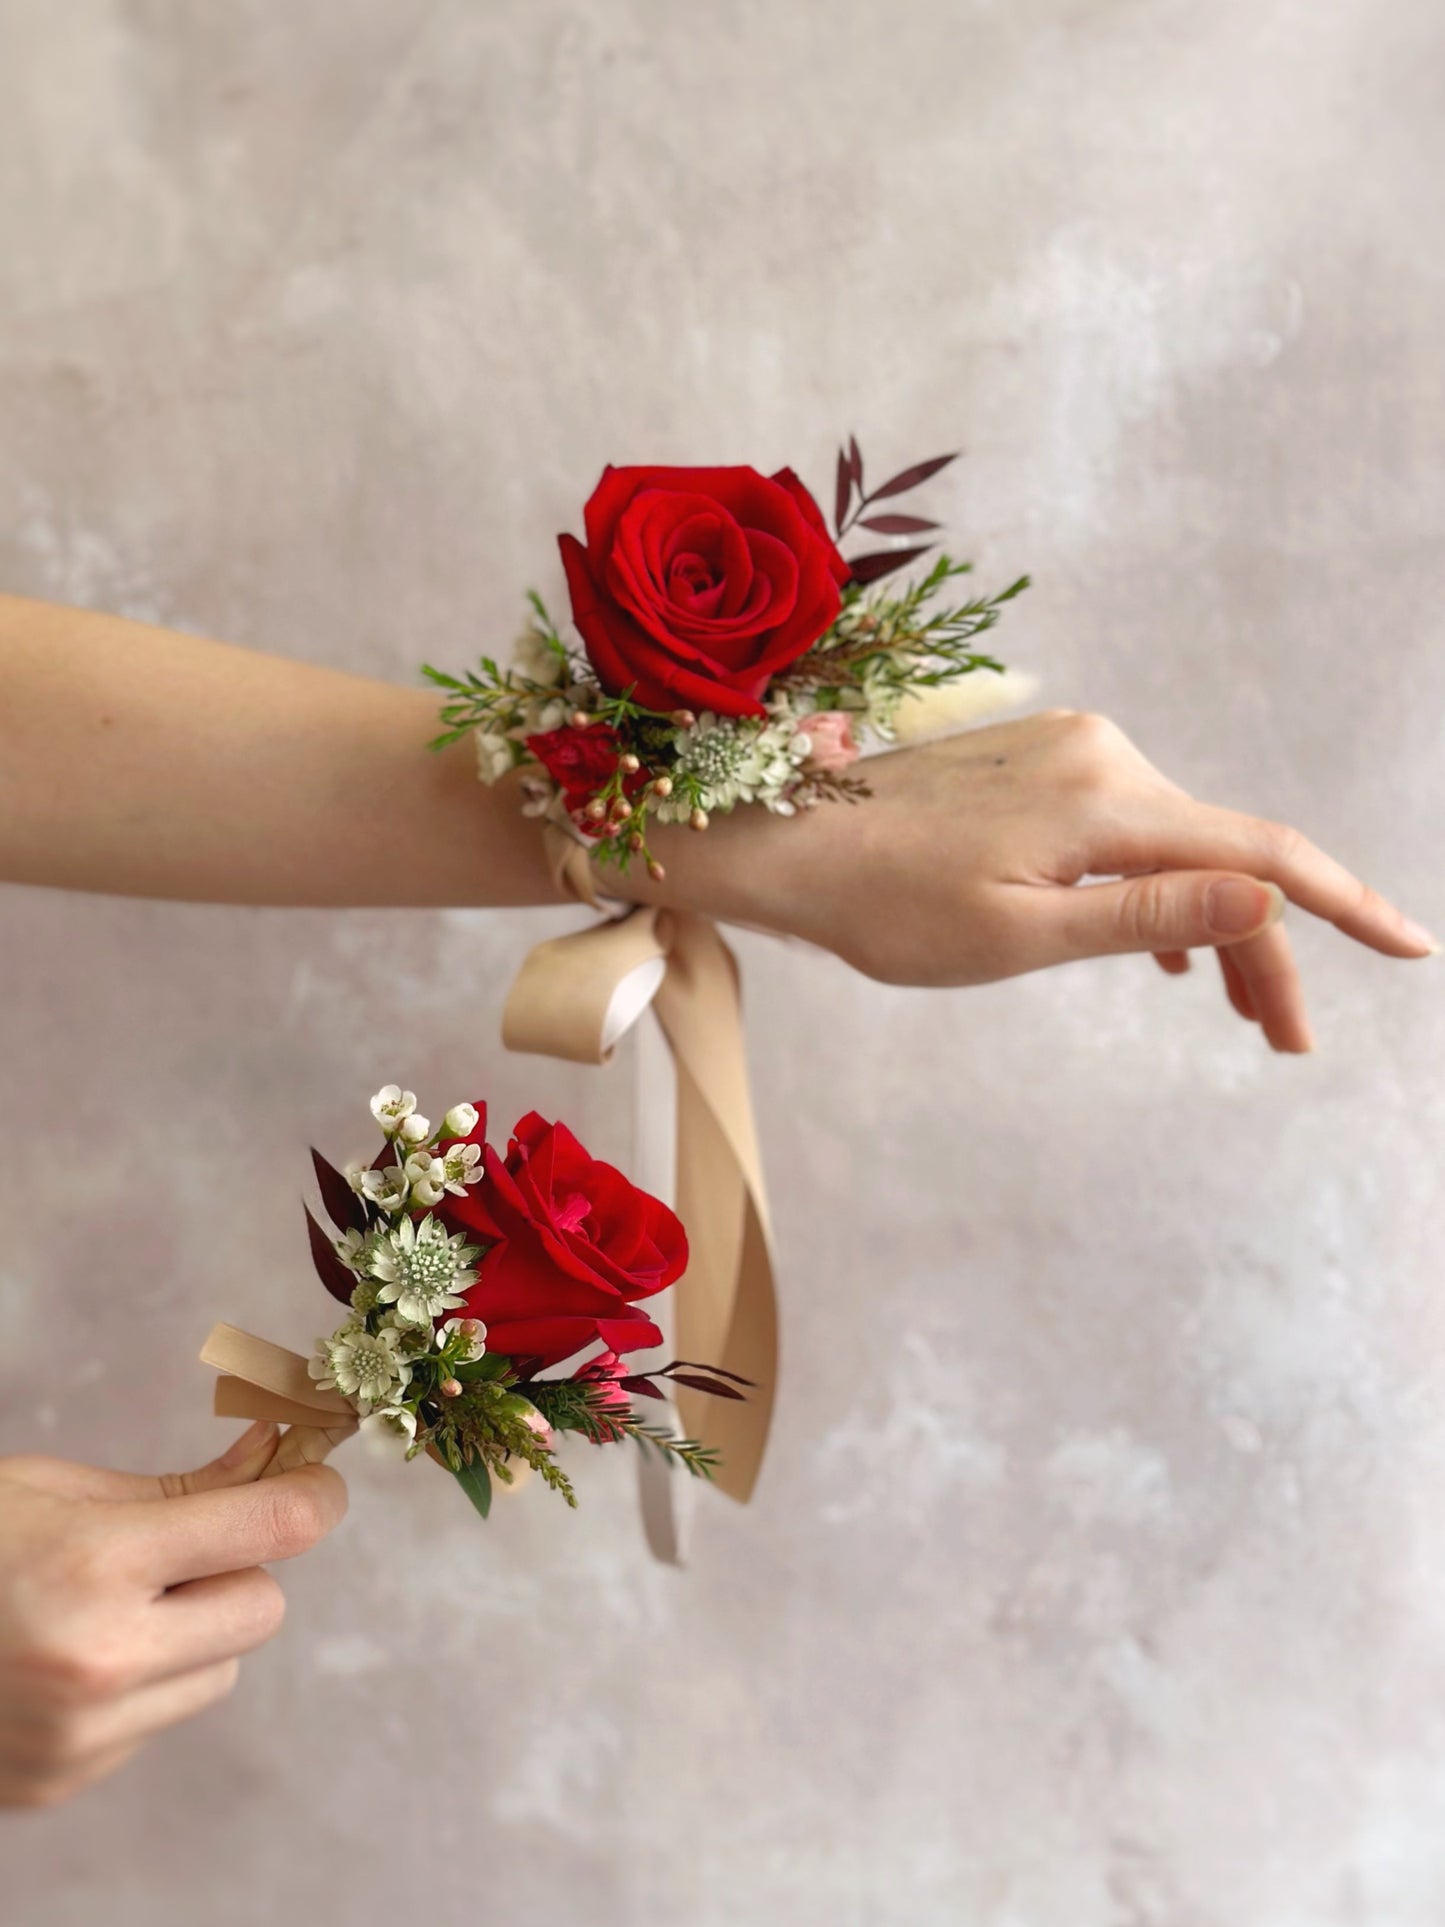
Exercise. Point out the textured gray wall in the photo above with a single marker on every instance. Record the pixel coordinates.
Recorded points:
(1098, 1579)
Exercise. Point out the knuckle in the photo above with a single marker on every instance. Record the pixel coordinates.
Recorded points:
(265, 1607)
(1283, 844)
(293, 1518)
(71, 1671)
(1142, 915)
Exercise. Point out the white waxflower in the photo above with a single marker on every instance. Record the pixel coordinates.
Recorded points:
(496, 754)
(475, 1333)
(427, 1176)
(461, 1120)
(390, 1105)
(424, 1272)
(362, 1365)
(461, 1166)
(550, 715)
(388, 1188)
(535, 658)
(355, 1175)
(415, 1129)
(389, 1432)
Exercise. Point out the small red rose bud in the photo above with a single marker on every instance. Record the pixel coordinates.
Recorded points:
(684, 718)
(655, 869)
(596, 809)
(579, 719)
(662, 785)
(630, 762)
(698, 820)
(450, 1388)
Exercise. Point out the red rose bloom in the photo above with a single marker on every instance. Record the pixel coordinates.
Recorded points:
(577, 1244)
(581, 761)
(697, 585)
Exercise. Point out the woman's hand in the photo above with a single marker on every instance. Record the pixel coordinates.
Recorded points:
(124, 1601)
(961, 869)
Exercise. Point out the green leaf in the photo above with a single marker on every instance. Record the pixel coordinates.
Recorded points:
(476, 1482)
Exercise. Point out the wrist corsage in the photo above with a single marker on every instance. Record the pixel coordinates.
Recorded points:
(492, 1303)
(730, 653)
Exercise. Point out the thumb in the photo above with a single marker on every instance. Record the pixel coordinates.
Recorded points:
(1170, 910)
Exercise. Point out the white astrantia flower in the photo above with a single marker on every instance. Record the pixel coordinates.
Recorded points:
(496, 754)
(424, 1272)
(353, 1248)
(390, 1105)
(461, 1166)
(736, 760)
(427, 1176)
(461, 1120)
(361, 1365)
(388, 1189)
(476, 1336)
(415, 1129)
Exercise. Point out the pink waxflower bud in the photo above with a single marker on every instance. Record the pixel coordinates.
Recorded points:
(830, 738)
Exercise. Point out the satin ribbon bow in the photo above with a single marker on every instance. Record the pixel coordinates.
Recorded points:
(262, 1380)
(575, 997)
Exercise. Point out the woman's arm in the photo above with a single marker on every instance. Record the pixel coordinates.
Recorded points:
(138, 761)
(145, 763)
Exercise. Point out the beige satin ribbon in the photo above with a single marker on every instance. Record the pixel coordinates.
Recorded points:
(262, 1380)
(565, 1003)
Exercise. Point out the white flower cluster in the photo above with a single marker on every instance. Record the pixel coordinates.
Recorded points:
(737, 760)
(408, 1270)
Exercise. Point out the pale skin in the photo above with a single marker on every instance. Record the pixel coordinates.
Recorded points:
(127, 1602)
(140, 762)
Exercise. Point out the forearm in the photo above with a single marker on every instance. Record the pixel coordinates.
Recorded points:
(141, 762)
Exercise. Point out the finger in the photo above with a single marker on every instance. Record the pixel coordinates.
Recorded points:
(207, 1620)
(50, 1788)
(244, 1460)
(203, 1533)
(1235, 987)
(1168, 911)
(1176, 962)
(99, 1736)
(1198, 835)
(1267, 970)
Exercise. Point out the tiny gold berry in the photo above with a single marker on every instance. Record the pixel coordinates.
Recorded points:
(698, 820)
(655, 869)
(450, 1388)
(631, 762)
(662, 785)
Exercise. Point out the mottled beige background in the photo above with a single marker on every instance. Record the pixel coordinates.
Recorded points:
(1098, 1579)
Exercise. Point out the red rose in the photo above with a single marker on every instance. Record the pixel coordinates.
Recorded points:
(577, 1244)
(581, 761)
(697, 585)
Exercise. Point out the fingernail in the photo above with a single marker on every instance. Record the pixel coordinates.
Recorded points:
(1417, 933)
(262, 1433)
(1237, 907)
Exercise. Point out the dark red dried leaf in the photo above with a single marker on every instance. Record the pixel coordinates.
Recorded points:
(842, 493)
(641, 1387)
(855, 463)
(880, 562)
(897, 524)
(711, 1371)
(343, 1207)
(908, 478)
(713, 1385)
(329, 1268)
